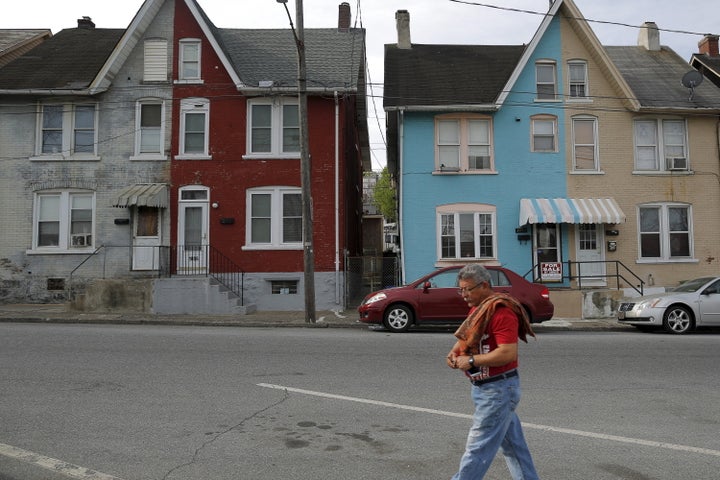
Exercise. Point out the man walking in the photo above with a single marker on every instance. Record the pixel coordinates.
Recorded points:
(487, 351)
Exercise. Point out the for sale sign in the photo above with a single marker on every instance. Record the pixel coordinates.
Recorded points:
(551, 272)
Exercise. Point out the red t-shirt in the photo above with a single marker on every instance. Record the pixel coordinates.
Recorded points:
(502, 329)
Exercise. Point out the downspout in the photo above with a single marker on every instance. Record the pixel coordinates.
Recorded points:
(401, 228)
(337, 200)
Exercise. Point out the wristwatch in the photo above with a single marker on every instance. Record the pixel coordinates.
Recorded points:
(471, 360)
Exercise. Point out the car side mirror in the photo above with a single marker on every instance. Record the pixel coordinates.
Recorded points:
(426, 286)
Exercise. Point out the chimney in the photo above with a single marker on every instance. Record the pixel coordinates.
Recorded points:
(402, 20)
(709, 45)
(86, 23)
(649, 36)
(344, 17)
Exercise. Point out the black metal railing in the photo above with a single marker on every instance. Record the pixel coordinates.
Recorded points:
(622, 274)
(209, 261)
(167, 261)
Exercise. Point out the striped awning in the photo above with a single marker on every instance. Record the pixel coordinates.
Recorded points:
(570, 210)
(143, 195)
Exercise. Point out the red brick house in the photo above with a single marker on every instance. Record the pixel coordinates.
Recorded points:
(235, 188)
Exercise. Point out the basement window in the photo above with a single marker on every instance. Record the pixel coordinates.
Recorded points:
(284, 287)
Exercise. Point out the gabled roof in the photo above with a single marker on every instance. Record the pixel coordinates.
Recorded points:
(69, 60)
(450, 76)
(335, 60)
(708, 65)
(655, 78)
(15, 42)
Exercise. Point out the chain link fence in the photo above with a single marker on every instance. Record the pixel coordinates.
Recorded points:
(369, 273)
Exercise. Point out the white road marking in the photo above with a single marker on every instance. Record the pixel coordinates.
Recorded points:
(568, 431)
(57, 466)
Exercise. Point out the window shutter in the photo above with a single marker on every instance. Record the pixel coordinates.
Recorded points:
(155, 61)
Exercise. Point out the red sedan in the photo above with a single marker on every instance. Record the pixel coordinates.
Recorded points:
(434, 298)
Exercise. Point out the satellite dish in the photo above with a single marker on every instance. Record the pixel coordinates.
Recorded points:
(691, 80)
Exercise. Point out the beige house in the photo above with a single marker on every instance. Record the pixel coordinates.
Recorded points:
(640, 129)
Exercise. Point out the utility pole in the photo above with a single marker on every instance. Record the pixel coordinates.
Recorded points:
(305, 167)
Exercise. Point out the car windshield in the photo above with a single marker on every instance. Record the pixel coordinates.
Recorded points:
(692, 285)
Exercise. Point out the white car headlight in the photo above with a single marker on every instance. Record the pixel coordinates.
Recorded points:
(376, 298)
(648, 303)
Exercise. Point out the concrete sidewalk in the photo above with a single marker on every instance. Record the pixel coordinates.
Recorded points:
(59, 313)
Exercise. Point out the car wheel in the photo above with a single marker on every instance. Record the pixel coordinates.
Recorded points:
(398, 318)
(678, 319)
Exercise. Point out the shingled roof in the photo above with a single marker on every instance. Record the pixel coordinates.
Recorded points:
(655, 77)
(334, 59)
(709, 65)
(69, 60)
(14, 42)
(445, 75)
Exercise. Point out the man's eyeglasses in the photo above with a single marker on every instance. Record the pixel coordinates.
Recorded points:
(463, 290)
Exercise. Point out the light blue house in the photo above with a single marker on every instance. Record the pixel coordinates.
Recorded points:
(473, 130)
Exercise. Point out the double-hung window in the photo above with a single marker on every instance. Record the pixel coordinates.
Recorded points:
(189, 61)
(274, 127)
(577, 77)
(63, 221)
(274, 218)
(544, 133)
(466, 231)
(150, 130)
(194, 128)
(546, 80)
(585, 146)
(67, 131)
(463, 143)
(660, 145)
(665, 232)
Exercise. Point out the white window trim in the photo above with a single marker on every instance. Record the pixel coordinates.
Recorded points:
(665, 234)
(63, 246)
(660, 148)
(464, 145)
(544, 118)
(194, 105)
(68, 133)
(181, 53)
(138, 128)
(276, 193)
(556, 97)
(276, 129)
(465, 208)
(596, 147)
(586, 98)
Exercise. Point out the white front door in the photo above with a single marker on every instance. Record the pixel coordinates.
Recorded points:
(589, 240)
(193, 241)
(146, 239)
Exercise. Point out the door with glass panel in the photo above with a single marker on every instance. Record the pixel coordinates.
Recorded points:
(146, 239)
(193, 226)
(590, 254)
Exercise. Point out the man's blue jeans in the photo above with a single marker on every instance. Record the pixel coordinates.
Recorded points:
(495, 427)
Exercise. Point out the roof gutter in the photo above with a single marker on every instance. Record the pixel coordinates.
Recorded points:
(444, 108)
(293, 90)
(53, 92)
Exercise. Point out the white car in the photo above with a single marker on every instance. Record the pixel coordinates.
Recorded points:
(695, 303)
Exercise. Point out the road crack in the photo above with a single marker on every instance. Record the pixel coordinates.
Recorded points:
(217, 435)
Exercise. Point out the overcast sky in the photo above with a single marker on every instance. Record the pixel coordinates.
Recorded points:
(431, 21)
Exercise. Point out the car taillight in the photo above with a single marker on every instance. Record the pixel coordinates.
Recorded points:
(545, 293)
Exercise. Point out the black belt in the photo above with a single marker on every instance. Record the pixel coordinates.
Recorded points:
(502, 376)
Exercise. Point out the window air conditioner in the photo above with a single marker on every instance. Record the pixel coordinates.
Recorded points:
(677, 163)
(81, 240)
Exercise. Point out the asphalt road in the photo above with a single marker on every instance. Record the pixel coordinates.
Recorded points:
(168, 402)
